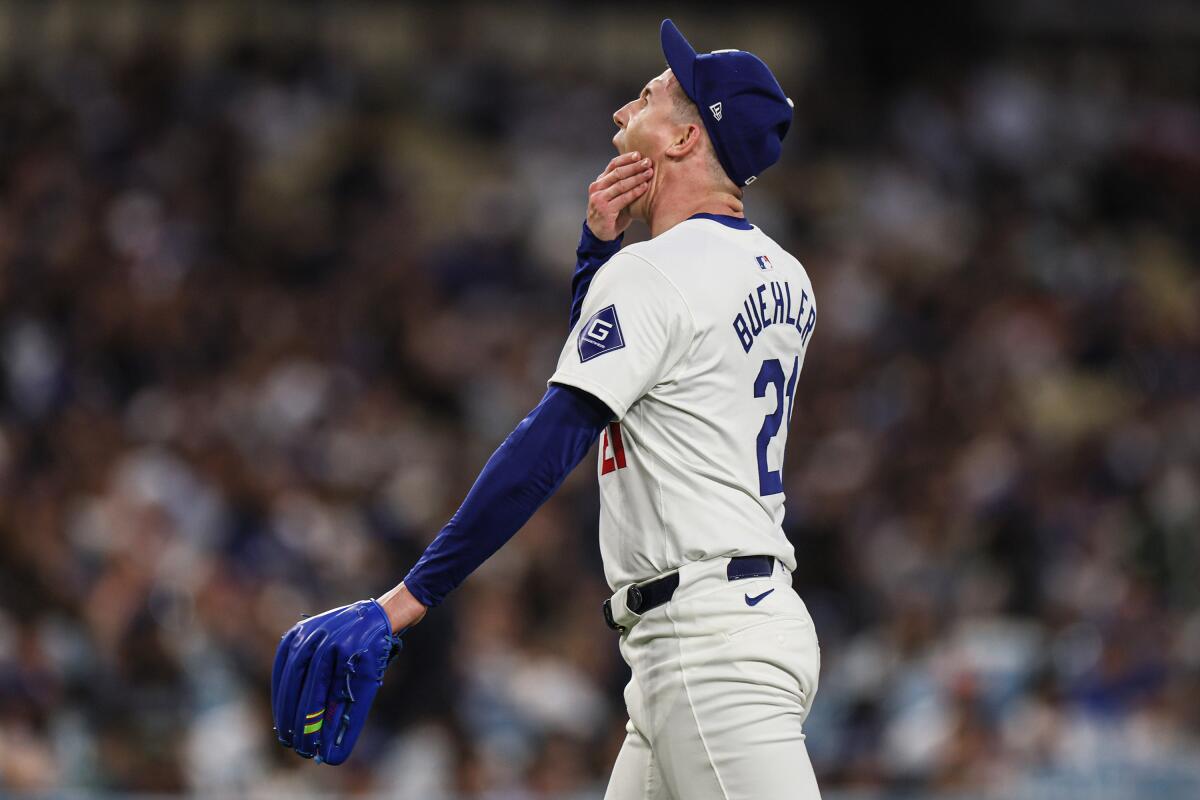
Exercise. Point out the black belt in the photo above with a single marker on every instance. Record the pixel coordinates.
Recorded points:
(644, 596)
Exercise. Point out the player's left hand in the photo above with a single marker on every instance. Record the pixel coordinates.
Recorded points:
(625, 179)
(327, 671)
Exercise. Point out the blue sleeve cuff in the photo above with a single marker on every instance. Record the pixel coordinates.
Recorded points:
(418, 591)
(590, 256)
(590, 245)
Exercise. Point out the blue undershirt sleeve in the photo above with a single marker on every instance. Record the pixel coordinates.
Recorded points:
(590, 256)
(521, 475)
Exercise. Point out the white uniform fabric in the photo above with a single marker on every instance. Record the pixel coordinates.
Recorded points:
(695, 340)
(719, 692)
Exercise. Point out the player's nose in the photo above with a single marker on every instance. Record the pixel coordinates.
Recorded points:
(621, 115)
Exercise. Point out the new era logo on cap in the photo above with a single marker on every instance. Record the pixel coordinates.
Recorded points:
(715, 108)
(600, 334)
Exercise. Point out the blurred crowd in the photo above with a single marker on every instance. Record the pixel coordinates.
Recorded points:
(267, 305)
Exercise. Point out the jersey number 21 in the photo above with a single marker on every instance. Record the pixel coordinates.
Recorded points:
(771, 374)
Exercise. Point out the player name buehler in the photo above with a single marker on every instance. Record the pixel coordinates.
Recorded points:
(771, 304)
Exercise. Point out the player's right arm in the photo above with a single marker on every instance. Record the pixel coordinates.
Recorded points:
(624, 180)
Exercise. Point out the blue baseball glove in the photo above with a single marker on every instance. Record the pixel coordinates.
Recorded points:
(327, 671)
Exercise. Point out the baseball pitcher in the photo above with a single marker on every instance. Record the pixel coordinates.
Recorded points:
(683, 360)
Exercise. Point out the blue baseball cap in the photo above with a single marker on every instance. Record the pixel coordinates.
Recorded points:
(743, 107)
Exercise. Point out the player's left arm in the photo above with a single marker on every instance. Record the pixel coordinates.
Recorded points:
(329, 667)
(519, 477)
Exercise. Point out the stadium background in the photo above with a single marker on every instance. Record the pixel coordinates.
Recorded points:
(276, 278)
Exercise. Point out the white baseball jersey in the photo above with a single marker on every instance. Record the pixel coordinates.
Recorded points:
(695, 340)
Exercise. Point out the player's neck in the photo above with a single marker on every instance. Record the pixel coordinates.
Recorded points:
(670, 209)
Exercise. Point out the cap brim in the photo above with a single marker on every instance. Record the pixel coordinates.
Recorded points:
(681, 57)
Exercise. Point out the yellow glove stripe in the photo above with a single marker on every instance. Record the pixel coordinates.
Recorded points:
(315, 714)
(314, 727)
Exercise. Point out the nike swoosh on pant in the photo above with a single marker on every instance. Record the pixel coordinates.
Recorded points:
(753, 601)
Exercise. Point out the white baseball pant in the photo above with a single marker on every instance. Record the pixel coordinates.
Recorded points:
(723, 678)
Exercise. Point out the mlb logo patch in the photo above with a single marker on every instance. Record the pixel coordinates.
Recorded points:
(764, 262)
(601, 334)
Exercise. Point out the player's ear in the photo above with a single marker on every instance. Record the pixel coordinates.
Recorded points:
(686, 139)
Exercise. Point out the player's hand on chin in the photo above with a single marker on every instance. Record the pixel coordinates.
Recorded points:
(625, 179)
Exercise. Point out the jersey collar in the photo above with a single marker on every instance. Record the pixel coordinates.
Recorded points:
(738, 223)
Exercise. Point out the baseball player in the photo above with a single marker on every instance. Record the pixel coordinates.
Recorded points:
(683, 359)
